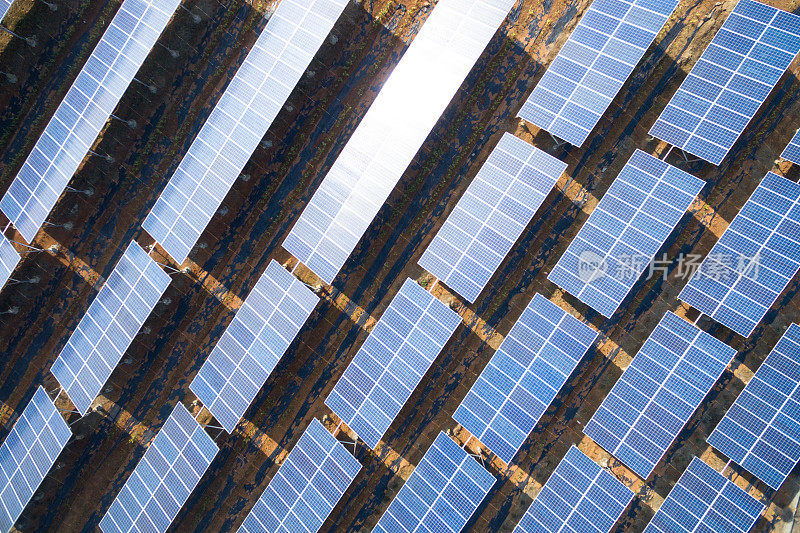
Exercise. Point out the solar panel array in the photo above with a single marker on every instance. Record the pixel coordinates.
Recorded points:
(491, 215)
(730, 81)
(9, 259)
(164, 478)
(306, 487)
(593, 65)
(392, 131)
(753, 261)
(84, 111)
(252, 345)
(761, 431)
(107, 329)
(524, 376)
(657, 394)
(4, 7)
(28, 453)
(441, 494)
(625, 231)
(391, 362)
(579, 496)
(792, 150)
(703, 501)
(240, 119)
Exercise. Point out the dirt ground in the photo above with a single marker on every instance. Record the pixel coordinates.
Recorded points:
(344, 78)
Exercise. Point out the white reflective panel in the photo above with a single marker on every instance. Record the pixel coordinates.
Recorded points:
(384, 144)
(240, 119)
(85, 109)
(9, 259)
(4, 5)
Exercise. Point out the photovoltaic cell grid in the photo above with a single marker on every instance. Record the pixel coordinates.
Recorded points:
(657, 394)
(306, 487)
(107, 329)
(252, 345)
(624, 232)
(4, 6)
(390, 134)
(524, 376)
(594, 64)
(84, 111)
(490, 217)
(761, 431)
(9, 259)
(703, 501)
(240, 119)
(164, 478)
(28, 453)
(730, 81)
(578, 497)
(391, 362)
(441, 494)
(792, 150)
(753, 261)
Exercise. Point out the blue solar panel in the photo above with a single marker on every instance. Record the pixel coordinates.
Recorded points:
(307, 486)
(164, 478)
(4, 6)
(594, 64)
(761, 431)
(441, 494)
(625, 231)
(491, 215)
(252, 345)
(28, 453)
(658, 393)
(792, 150)
(753, 261)
(524, 376)
(730, 81)
(107, 329)
(579, 497)
(705, 501)
(9, 259)
(84, 111)
(391, 362)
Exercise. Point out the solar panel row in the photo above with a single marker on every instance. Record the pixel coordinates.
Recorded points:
(754, 260)
(490, 217)
(391, 362)
(593, 65)
(657, 394)
(390, 134)
(9, 259)
(240, 119)
(792, 150)
(28, 453)
(625, 231)
(84, 111)
(252, 344)
(164, 478)
(4, 7)
(524, 376)
(306, 487)
(107, 329)
(730, 81)
(441, 494)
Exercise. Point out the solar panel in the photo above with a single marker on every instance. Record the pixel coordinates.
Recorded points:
(761, 431)
(4, 7)
(306, 487)
(84, 111)
(593, 65)
(164, 478)
(792, 150)
(391, 362)
(657, 394)
(730, 81)
(28, 453)
(491, 215)
(524, 376)
(240, 119)
(394, 128)
(107, 329)
(624, 232)
(9, 259)
(252, 345)
(703, 501)
(753, 261)
(579, 496)
(441, 494)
